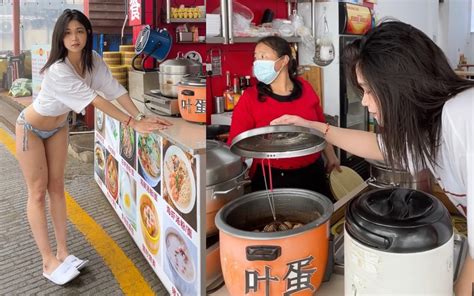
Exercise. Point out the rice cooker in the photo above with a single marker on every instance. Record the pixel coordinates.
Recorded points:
(398, 241)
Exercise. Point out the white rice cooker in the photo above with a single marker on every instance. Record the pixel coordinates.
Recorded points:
(398, 242)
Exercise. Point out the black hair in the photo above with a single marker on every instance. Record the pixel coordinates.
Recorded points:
(282, 48)
(59, 51)
(411, 80)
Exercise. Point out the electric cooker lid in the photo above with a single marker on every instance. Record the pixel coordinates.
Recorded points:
(398, 220)
(278, 141)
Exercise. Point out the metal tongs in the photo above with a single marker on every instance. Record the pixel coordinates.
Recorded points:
(271, 200)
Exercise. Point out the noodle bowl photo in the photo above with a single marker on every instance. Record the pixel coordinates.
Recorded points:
(149, 157)
(179, 179)
(127, 143)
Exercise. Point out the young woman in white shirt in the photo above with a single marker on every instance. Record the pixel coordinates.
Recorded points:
(73, 77)
(425, 112)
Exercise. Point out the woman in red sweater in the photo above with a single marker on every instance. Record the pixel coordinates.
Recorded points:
(280, 92)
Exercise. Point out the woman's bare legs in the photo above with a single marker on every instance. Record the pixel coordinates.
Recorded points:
(56, 156)
(35, 170)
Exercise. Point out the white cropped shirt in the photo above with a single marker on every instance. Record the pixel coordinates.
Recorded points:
(63, 89)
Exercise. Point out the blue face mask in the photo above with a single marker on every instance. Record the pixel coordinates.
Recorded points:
(264, 70)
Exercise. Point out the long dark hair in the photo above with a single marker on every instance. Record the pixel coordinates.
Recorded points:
(59, 51)
(411, 80)
(282, 48)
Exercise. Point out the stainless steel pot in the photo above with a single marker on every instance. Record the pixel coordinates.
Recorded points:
(219, 195)
(382, 176)
(172, 72)
(225, 180)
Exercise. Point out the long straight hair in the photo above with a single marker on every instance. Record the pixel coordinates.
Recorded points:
(282, 48)
(59, 51)
(411, 80)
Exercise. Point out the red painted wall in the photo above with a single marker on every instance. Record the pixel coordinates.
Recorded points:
(238, 58)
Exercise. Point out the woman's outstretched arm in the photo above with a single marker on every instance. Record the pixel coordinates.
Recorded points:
(144, 126)
(361, 143)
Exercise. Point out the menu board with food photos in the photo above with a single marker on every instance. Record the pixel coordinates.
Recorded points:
(152, 185)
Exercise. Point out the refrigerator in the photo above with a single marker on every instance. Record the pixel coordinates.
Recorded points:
(345, 22)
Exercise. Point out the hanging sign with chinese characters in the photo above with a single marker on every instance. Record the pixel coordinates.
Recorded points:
(135, 12)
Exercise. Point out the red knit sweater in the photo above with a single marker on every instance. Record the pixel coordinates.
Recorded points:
(250, 113)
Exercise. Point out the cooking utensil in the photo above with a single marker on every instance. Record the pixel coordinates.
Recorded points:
(192, 99)
(395, 236)
(245, 252)
(172, 71)
(225, 180)
(278, 141)
(269, 192)
(383, 176)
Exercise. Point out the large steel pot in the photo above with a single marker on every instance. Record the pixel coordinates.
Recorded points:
(172, 71)
(383, 176)
(225, 180)
(293, 256)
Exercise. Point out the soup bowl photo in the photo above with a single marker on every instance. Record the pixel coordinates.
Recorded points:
(149, 223)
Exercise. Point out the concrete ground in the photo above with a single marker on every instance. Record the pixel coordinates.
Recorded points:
(116, 265)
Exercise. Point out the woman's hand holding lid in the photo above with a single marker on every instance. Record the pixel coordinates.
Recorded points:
(291, 120)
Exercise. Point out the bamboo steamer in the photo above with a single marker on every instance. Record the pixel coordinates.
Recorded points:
(113, 61)
(118, 69)
(128, 54)
(112, 54)
(127, 48)
(120, 75)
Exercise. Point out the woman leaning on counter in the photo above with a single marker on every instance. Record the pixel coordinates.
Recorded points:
(425, 111)
(280, 92)
(73, 75)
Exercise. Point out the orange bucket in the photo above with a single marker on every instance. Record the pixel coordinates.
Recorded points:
(274, 263)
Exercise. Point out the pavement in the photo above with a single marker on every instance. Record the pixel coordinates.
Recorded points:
(116, 265)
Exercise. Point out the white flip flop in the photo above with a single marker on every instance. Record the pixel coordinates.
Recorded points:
(63, 274)
(76, 262)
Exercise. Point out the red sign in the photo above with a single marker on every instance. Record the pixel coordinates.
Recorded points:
(135, 12)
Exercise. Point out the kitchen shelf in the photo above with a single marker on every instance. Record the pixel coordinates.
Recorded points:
(215, 40)
(187, 20)
(292, 39)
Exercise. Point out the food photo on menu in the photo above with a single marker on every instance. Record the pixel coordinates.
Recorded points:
(127, 144)
(128, 197)
(99, 121)
(149, 220)
(180, 259)
(179, 175)
(149, 159)
(99, 160)
(112, 127)
(111, 176)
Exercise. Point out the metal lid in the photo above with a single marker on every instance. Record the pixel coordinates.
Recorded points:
(398, 221)
(193, 81)
(278, 141)
(221, 164)
(180, 65)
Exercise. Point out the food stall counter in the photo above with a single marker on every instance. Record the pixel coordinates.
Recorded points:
(190, 137)
(154, 183)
